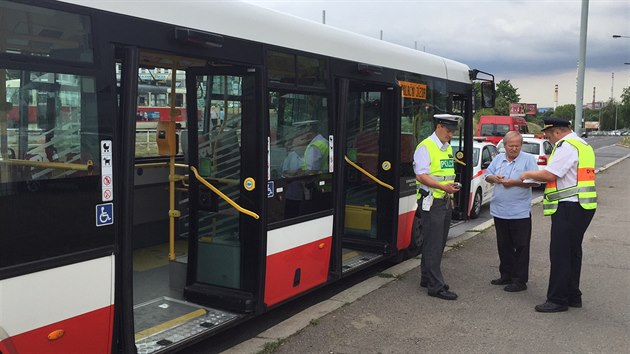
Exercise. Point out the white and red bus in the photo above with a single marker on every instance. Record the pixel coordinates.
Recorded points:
(293, 169)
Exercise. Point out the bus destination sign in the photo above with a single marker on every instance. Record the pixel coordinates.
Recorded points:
(413, 90)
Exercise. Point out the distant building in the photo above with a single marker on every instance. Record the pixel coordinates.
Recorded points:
(596, 105)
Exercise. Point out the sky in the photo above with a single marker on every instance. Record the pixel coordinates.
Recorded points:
(534, 44)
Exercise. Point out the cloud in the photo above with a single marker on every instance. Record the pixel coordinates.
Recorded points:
(513, 39)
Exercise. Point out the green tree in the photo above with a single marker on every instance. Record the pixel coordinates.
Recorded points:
(623, 111)
(508, 92)
(502, 106)
(566, 111)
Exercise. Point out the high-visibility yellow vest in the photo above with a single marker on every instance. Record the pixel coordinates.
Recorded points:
(442, 167)
(322, 146)
(585, 186)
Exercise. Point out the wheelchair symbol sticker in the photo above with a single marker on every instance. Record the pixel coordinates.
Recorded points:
(270, 189)
(104, 214)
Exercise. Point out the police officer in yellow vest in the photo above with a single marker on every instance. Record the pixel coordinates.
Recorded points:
(435, 182)
(571, 200)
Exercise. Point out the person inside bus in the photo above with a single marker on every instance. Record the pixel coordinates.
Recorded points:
(435, 181)
(292, 168)
(511, 209)
(214, 115)
(316, 153)
(316, 187)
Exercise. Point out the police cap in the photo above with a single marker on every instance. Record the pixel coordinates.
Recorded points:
(556, 122)
(449, 121)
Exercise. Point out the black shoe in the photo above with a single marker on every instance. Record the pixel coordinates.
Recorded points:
(444, 294)
(576, 304)
(425, 283)
(550, 307)
(500, 281)
(515, 287)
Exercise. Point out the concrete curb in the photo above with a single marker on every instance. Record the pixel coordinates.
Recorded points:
(301, 320)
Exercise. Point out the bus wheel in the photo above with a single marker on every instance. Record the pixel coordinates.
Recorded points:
(417, 237)
(476, 206)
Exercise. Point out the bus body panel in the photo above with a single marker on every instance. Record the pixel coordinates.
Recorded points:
(406, 212)
(298, 258)
(77, 299)
(297, 270)
(87, 333)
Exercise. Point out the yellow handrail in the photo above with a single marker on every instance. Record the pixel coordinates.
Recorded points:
(223, 196)
(88, 166)
(368, 174)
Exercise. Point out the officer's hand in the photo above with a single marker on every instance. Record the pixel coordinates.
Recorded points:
(452, 188)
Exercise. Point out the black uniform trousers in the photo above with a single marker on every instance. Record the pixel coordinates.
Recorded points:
(436, 224)
(513, 240)
(568, 225)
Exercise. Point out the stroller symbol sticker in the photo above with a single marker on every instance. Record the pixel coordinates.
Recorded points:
(104, 214)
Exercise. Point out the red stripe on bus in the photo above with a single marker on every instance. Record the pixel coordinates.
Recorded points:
(312, 260)
(405, 223)
(87, 333)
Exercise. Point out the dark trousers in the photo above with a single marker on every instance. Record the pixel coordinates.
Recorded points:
(568, 225)
(513, 240)
(436, 224)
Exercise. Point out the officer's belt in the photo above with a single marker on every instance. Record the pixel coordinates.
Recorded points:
(446, 196)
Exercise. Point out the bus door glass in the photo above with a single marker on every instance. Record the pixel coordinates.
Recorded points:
(223, 214)
(368, 214)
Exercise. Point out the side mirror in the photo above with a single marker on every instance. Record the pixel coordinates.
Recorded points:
(485, 164)
(488, 94)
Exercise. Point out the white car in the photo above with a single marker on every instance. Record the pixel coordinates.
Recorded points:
(540, 148)
(480, 191)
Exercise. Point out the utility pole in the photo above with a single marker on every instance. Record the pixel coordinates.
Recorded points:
(581, 67)
(612, 87)
(324, 16)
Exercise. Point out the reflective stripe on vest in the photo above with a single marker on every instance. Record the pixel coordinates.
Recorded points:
(442, 167)
(585, 187)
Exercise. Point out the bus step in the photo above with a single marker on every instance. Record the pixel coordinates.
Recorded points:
(353, 259)
(164, 322)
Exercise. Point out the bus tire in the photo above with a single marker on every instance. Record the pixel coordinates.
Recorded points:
(417, 237)
(475, 210)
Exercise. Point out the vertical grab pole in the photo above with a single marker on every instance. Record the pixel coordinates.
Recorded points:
(171, 176)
